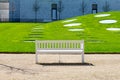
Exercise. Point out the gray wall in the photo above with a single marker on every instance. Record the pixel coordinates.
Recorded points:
(4, 11)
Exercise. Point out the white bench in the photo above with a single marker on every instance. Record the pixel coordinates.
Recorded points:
(60, 47)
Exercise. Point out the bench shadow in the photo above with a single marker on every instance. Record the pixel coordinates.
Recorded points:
(66, 64)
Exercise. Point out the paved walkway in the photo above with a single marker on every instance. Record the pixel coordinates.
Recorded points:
(23, 67)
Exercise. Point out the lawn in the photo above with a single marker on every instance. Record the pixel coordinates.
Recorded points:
(19, 37)
(97, 38)
(12, 36)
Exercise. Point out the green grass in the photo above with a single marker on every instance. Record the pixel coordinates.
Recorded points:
(12, 36)
(97, 38)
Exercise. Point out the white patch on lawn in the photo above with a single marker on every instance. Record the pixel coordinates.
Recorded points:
(102, 15)
(113, 29)
(76, 30)
(29, 41)
(108, 21)
(69, 20)
(36, 28)
(73, 24)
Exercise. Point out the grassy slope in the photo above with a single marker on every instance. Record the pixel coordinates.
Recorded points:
(12, 36)
(97, 38)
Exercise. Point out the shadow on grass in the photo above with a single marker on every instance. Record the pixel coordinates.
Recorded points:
(66, 64)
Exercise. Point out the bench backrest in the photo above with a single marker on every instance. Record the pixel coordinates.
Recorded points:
(59, 44)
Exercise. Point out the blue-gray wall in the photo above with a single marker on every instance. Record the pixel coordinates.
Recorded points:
(24, 9)
(14, 10)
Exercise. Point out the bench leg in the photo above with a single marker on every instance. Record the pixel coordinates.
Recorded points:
(59, 58)
(82, 57)
(36, 57)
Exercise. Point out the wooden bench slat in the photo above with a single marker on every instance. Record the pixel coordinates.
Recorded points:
(59, 51)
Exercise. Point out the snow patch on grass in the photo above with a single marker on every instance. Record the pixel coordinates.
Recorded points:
(76, 30)
(102, 15)
(113, 29)
(108, 21)
(69, 20)
(72, 24)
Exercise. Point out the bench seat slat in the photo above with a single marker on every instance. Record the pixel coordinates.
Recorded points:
(59, 51)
